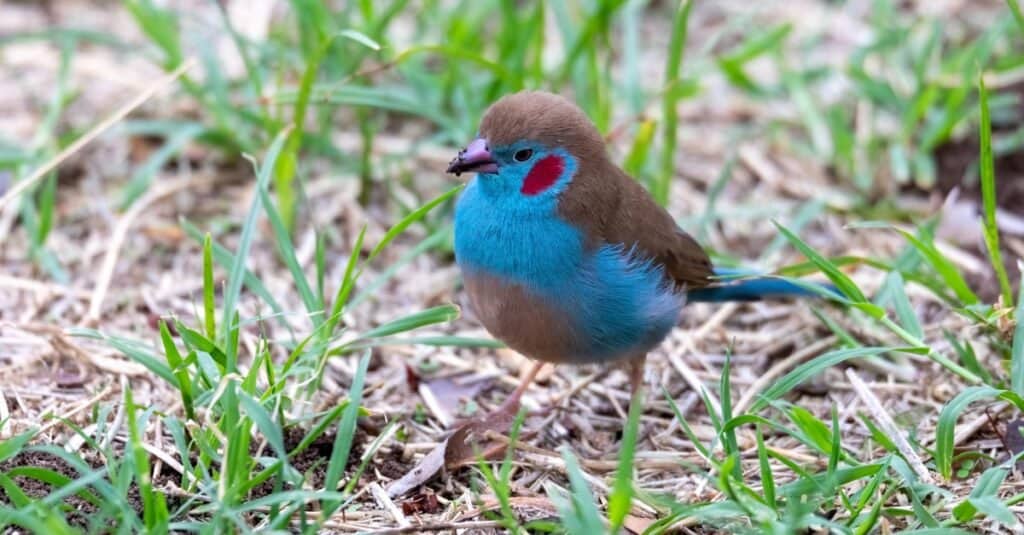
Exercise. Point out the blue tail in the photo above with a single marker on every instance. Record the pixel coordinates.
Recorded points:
(752, 289)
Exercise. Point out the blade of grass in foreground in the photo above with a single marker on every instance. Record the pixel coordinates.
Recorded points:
(621, 498)
(1017, 15)
(413, 217)
(209, 290)
(845, 284)
(286, 250)
(1017, 350)
(235, 278)
(346, 432)
(578, 509)
(988, 195)
(809, 369)
(949, 415)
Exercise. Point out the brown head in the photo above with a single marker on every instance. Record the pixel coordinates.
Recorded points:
(530, 140)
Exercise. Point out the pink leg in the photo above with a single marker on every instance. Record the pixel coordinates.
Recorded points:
(636, 378)
(511, 405)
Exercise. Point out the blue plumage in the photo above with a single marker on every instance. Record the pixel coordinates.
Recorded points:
(751, 289)
(617, 302)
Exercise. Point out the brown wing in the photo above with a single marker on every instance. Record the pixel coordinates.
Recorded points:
(640, 220)
(614, 208)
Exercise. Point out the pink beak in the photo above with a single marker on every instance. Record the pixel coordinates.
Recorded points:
(475, 158)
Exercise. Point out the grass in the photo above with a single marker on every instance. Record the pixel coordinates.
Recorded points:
(272, 394)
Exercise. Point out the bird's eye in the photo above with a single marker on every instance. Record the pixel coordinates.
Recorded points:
(522, 155)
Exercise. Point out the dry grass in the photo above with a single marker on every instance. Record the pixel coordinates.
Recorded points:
(126, 269)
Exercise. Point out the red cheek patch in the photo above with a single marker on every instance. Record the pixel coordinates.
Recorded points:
(543, 175)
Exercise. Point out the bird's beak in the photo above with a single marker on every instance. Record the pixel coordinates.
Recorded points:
(475, 158)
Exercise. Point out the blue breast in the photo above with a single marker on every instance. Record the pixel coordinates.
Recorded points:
(618, 304)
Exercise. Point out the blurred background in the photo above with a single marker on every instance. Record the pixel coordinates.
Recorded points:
(884, 135)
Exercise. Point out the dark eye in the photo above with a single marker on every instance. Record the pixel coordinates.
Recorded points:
(522, 155)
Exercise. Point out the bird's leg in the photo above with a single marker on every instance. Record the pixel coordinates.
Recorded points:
(636, 375)
(636, 401)
(511, 405)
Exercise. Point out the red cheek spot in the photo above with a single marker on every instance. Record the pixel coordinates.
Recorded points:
(543, 175)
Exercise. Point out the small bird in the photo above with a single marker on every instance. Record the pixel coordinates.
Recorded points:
(566, 258)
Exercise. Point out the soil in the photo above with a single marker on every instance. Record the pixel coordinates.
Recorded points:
(312, 461)
(80, 510)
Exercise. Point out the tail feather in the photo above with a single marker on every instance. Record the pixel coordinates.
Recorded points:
(753, 289)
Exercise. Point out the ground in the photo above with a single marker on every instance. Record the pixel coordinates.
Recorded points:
(760, 140)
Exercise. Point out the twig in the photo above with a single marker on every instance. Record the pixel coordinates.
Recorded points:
(34, 286)
(889, 426)
(382, 499)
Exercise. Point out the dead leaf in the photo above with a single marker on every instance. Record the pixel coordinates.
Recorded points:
(425, 470)
(460, 448)
(412, 379)
(423, 503)
(443, 395)
(1015, 440)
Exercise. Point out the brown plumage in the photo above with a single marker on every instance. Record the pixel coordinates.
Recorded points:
(602, 199)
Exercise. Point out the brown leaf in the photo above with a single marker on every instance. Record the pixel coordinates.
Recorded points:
(412, 379)
(459, 449)
(427, 468)
(443, 395)
(422, 503)
(1015, 440)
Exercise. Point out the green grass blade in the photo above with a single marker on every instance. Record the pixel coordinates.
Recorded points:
(809, 369)
(1017, 349)
(580, 513)
(621, 499)
(348, 281)
(893, 293)
(209, 290)
(265, 423)
(669, 100)
(346, 432)
(430, 316)
(986, 163)
(13, 446)
(226, 258)
(413, 217)
(1017, 15)
(235, 277)
(767, 477)
(840, 279)
(177, 365)
(286, 251)
(947, 422)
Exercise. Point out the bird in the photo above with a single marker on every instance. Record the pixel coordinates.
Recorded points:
(565, 257)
